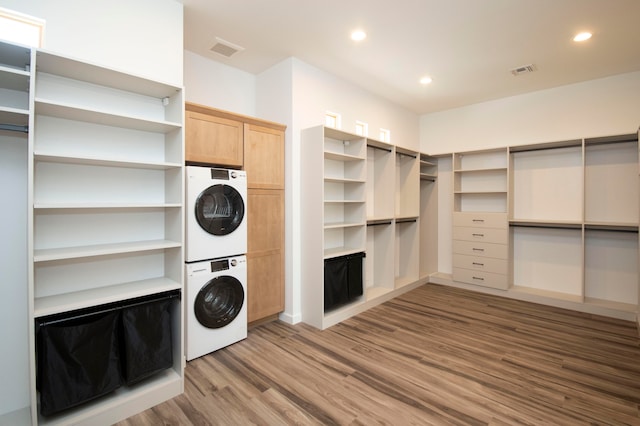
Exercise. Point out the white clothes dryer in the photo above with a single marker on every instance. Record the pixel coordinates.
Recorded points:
(216, 224)
(216, 314)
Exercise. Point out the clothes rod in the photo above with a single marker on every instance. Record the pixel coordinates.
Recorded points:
(14, 128)
(103, 309)
(380, 148)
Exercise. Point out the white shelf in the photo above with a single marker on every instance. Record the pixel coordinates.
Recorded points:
(105, 117)
(341, 251)
(14, 79)
(83, 299)
(47, 255)
(81, 206)
(15, 116)
(101, 161)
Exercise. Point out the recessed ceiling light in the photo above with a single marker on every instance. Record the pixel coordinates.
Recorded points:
(358, 35)
(426, 80)
(582, 36)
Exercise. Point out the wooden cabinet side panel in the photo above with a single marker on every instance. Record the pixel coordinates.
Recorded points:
(264, 157)
(265, 257)
(213, 140)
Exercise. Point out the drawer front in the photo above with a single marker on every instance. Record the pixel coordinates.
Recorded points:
(485, 279)
(473, 248)
(485, 235)
(480, 220)
(487, 264)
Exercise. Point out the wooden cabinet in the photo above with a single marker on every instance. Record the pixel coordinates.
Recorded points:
(265, 257)
(264, 156)
(264, 164)
(211, 139)
(222, 138)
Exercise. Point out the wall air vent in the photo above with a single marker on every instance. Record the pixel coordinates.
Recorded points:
(524, 69)
(225, 48)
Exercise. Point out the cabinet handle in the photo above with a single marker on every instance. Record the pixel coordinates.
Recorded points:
(477, 249)
(478, 220)
(477, 264)
(478, 235)
(478, 278)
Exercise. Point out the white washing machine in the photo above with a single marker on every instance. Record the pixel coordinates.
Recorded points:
(216, 224)
(217, 304)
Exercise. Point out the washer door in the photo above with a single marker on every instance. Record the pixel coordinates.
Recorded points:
(219, 301)
(219, 209)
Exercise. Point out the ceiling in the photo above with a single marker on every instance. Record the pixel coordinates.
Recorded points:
(468, 47)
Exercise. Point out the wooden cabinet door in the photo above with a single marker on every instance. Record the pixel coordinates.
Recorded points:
(213, 140)
(264, 156)
(265, 257)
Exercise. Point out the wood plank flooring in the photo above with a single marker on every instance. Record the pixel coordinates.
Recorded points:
(434, 356)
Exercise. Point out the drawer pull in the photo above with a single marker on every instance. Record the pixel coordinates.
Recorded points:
(477, 249)
(478, 220)
(478, 278)
(478, 235)
(477, 264)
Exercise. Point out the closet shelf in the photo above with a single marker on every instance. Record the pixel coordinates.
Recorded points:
(101, 161)
(59, 303)
(342, 180)
(80, 113)
(343, 201)
(541, 223)
(47, 255)
(331, 155)
(481, 170)
(15, 116)
(97, 206)
(335, 225)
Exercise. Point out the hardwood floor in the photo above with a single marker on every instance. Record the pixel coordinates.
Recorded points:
(436, 355)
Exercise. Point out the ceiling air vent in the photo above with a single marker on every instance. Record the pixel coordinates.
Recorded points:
(524, 69)
(225, 48)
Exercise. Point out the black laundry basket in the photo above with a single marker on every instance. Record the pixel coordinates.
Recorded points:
(85, 354)
(342, 280)
(146, 339)
(78, 360)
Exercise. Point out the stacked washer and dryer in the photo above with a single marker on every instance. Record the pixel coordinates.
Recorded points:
(216, 265)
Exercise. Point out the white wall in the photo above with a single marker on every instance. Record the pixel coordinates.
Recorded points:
(217, 85)
(298, 94)
(606, 106)
(141, 37)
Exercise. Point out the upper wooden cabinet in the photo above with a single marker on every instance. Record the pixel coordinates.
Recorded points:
(211, 139)
(264, 156)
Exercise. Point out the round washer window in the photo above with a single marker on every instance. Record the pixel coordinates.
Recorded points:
(219, 209)
(219, 302)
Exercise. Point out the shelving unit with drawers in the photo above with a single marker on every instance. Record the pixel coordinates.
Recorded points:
(553, 223)
(480, 227)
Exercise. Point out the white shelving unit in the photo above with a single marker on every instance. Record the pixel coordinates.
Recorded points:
(107, 219)
(15, 87)
(370, 203)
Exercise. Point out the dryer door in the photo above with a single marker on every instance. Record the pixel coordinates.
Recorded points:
(219, 209)
(219, 301)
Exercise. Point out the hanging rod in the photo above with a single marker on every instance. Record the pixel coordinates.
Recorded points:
(14, 128)
(103, 309)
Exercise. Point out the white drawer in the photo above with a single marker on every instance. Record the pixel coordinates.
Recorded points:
(485, 235)
(485, 279)
(480, 220)
(487, 264)
(474, 248)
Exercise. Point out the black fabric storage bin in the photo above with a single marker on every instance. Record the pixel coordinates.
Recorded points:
(336, 291)
(342, 280)
(146, 339)
(78, 360)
